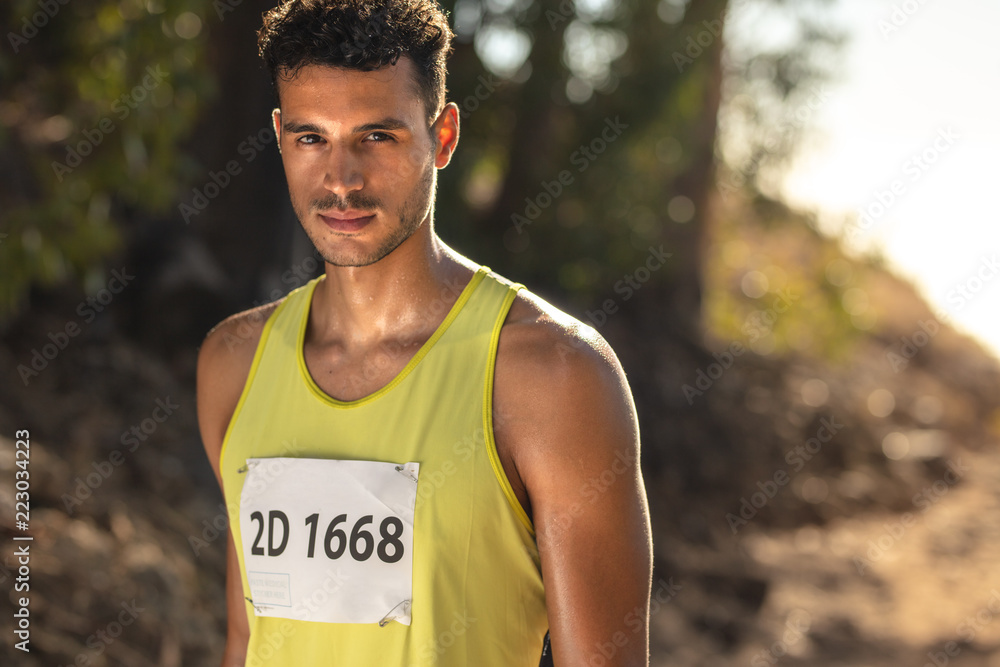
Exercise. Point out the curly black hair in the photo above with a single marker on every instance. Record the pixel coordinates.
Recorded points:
(362, 36)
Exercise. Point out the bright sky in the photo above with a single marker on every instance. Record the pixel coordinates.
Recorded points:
(934, 79)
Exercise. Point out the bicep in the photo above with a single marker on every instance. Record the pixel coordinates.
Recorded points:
(596, 562)
(210, 404)
(217, 393)
(222, 372)
(579, 460)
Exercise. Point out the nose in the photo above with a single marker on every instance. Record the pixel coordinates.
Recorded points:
(343, 172)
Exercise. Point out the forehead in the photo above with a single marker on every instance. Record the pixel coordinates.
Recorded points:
(336, 92)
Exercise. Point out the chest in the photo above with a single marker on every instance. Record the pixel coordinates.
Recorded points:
(349, 376)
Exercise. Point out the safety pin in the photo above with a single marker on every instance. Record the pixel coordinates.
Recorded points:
(406, 472)
(405, 604)
(257, 608)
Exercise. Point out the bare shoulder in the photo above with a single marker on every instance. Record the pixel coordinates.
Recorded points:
(235, 338)
(545, 347)
(224, 362)
(571, 440)
(560, 394)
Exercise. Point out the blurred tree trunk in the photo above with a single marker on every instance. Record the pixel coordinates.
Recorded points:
(602, 225)
(534, 141)
(247, 228)
(216, 254)
(697, 182)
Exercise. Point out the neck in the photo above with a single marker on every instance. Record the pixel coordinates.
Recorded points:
(399, 296)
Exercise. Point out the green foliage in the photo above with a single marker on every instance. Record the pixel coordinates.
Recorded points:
(775, 285)
(97, 97)
(780, 57)
(576, 160)
(658, 67)
(602, 100)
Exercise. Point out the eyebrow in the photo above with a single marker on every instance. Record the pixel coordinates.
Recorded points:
(381, 124)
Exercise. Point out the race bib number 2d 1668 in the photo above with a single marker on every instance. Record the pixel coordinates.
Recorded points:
(329, 541)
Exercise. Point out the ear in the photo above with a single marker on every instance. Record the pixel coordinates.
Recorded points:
(276, 122)
(444, 131)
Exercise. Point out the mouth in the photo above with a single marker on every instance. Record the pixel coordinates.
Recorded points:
(346, 221)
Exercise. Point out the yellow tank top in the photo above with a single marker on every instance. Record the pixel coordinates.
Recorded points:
(477, 594)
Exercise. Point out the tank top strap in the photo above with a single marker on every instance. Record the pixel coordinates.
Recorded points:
(483, 314)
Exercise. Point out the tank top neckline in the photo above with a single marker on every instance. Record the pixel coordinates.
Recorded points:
(315, 389)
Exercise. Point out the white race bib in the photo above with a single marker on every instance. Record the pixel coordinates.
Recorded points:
(329, 541)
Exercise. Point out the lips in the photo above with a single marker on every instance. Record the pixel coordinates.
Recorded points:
(346, 221)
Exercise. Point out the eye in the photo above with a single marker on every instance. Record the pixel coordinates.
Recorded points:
(309, 139)
(380, 137)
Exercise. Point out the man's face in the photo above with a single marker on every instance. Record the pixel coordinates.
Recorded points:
(359, 158)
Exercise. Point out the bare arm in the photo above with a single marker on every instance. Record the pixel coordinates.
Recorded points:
(223, 366)
(571, 437)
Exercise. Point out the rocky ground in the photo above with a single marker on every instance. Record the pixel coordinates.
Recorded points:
(873, 590)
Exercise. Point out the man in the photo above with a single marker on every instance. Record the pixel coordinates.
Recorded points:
(424, 463)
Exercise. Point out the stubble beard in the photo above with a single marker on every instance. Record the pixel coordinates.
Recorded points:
(411, 214)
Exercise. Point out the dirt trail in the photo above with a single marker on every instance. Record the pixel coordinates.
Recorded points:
(870, 590)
